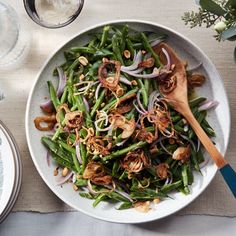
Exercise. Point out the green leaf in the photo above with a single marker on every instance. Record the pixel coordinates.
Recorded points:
(212, 7)
(232, 3)
(229, 33)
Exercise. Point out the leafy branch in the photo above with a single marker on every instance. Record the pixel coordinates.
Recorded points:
(218, 13)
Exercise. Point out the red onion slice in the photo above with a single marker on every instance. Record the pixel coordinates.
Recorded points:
(125, 80)
(97, 91)
(155, 42)
(208, 105)
(61, 86)
(77, 151)
(61, 180)
(139, 111)
(137, 60)
(168, 64)
(86, 104)
(139, 102)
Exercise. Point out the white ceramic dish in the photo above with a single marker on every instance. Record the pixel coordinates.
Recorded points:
(220, 120)
(18, 172)
(7, 170)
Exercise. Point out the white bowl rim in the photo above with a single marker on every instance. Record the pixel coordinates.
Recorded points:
(123, 21)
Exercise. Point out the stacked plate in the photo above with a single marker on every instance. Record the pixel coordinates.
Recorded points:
(10, 172)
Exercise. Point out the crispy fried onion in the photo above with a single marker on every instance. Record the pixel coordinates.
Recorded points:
(148, 63)
(144, 135)
(90, 133)
(96, 145)
(119, 121)
(162, 170)
(135, 161)
(123, 109)
(182, 154)
(196, 80)
(168, 84)
(73, 119)
(50, 121)
(110, 82)
(160, 117)
(95, 172)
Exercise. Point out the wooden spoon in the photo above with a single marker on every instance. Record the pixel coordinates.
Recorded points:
(178, 98)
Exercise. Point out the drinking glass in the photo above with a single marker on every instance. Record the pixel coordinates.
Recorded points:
(53, 13)
(14, 43)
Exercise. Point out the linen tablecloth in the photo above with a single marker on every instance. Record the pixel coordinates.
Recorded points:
(16, 84)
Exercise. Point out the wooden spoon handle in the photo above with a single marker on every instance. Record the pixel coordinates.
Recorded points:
(205, 140)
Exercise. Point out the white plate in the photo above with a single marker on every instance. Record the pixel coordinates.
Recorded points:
(220, 120)
(7, 170)
(18, 173)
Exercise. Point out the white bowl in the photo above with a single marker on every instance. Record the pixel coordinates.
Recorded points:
(219, 119)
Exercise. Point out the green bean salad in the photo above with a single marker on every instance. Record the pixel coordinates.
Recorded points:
(111, 133)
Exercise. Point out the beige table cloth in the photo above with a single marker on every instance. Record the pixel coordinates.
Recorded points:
(35, 195)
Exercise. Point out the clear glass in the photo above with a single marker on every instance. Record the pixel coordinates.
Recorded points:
(14, 43)
(53, 13)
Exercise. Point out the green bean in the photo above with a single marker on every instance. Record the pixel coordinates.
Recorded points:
(98, 103)
(116, 49)
(143, 92)
(53, 95)
(64, 95)
(149, 49)
(115, 168)
(146, 194)
(117, 197)
(185, 178)
(81, 182)
(194, 160)
(125, 32)
(169, 187)
(207, 128)
(99, 198)
(113, 102)
(125, 205)
(62, 162)
(196, 102)
(130, 47)
(83, 151)
(55, 148)
(86, 50)
(104, 36)
(118, 153)
(87, 195)
(67, 147)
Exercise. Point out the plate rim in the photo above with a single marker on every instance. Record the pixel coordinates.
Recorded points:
(94, 26)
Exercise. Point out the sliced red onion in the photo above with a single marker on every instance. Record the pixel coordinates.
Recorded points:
(61, 180)
(97, 91)
(186, 128)
(155, 42)
(62, 81)
(152, 99)
(195, 67)
(134, 66)
(86, 104)
(124, 194)
(139, 111)
(48, 155)
(164, 148)
(190, 141)
(147, 76)
(100, 129)
(77, 151)
(168, 64)
(208, 105)
(205, 162)
(139, 102)
(74, 177)
(61, 86)
(198, 145)
(125, 80)
(169, 178)
(121, 143)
